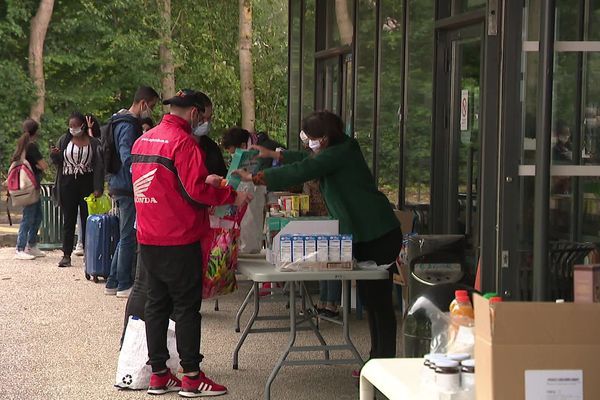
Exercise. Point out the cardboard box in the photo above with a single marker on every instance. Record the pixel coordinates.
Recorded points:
(586, 283)
(407, 219)
(529, 337)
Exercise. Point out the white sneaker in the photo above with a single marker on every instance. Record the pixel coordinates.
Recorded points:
(21, 255)
(78, 249)
(123, 294)
(35, 251)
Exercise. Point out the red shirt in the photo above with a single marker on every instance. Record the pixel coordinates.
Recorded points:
(170, 193)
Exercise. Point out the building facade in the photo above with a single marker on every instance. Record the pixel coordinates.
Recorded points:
(443, 98)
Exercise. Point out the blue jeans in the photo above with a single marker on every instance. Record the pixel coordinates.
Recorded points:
(331, 292)
(122, 262)
(30, 225)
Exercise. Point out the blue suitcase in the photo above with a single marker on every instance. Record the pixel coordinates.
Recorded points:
(101, 238)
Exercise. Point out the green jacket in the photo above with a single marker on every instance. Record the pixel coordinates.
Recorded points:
(347, 185)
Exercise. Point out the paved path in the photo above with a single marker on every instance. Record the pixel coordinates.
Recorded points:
(59, 339)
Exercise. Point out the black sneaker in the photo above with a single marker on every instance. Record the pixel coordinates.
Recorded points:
(65, 262)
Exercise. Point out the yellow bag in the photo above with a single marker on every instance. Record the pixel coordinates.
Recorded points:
(98, 205)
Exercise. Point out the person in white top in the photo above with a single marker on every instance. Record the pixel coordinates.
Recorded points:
(79, 173)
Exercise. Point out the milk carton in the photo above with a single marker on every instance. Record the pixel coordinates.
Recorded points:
(297, 248)
(322, 248)
(335, 244)
(346, 248)
(310, 248)
(285, 249)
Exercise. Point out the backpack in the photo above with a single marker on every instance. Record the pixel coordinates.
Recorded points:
(110, 154)
(22, 185)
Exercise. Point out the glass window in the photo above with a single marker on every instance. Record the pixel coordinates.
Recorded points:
(593, 28)
(308, 59)
(418, 125)
(567, 19)
(390, 99)
(591, 109)
(294, 75)
(470, 5)
(574, 201)
(365, 88)
(340, 29)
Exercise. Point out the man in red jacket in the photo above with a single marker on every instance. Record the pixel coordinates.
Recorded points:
(172, 193)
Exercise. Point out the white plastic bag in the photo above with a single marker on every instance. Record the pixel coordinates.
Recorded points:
(251, 229)
(132, 371)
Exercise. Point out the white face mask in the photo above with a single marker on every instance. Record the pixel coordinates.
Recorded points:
(303, 137)
(202, 129)
(76, 131)
(314, 145)
(146, 113)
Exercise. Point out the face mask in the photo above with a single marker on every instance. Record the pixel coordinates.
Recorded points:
(314, 145)
(202, 129)
(76, 131)
(303, 137)
(147, 113)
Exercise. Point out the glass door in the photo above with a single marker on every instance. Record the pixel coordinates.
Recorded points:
(457, 139)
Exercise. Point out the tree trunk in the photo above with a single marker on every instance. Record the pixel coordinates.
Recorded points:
(246, 69)
(39, 27)
(167, 67)
(344, 21)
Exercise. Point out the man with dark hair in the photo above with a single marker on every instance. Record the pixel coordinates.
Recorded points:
(214, 161)
(173, 190)
(125, 131)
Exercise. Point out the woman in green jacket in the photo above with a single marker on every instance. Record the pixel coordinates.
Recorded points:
(352, 197)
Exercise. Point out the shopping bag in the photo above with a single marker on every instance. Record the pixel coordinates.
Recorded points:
(220, 251)
(132, 371)
(251, 228)
(98, 205)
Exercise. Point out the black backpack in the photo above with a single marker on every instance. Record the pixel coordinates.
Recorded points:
(112, 159)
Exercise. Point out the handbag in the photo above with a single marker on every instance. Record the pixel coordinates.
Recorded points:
(132, 370)
(98, 205)
(220, 254)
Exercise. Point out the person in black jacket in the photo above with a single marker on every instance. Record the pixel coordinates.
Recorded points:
(214, 161)
(79, 173)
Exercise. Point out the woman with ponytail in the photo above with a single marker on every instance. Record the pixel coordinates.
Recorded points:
(79, 173)
(32, 214)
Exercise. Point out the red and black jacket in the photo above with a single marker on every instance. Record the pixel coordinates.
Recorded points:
(170, 193)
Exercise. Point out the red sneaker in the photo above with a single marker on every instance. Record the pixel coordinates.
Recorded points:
(200, 386)
(165, 383)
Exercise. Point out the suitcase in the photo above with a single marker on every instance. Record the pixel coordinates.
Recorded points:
(101, 238)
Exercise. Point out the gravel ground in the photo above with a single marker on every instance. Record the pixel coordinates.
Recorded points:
(59, 338)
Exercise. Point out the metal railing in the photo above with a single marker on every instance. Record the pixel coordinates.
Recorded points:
(51, 230)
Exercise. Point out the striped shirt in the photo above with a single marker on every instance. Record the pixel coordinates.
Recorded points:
(77, 160)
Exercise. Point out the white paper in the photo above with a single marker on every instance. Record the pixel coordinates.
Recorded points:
(554, 385)
(464, 110)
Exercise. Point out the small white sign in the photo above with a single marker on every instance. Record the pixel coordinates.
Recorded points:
(464, 110)
(554, 385)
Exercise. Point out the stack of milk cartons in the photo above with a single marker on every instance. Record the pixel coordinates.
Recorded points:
(318, 250)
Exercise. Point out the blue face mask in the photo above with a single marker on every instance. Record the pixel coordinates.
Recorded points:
(202, 129)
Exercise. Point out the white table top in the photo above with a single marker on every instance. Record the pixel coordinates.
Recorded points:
(401, 379)
(397, 378)
(259, 270)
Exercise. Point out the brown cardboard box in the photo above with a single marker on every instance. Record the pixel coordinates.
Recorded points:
(534, 336)
(406, 219)
(586, 283)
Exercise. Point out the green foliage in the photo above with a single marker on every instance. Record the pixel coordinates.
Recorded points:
(97, 52)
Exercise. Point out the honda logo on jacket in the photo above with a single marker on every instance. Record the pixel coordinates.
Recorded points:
(141, 185)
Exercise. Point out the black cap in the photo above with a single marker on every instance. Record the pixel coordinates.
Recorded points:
(186, 98)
